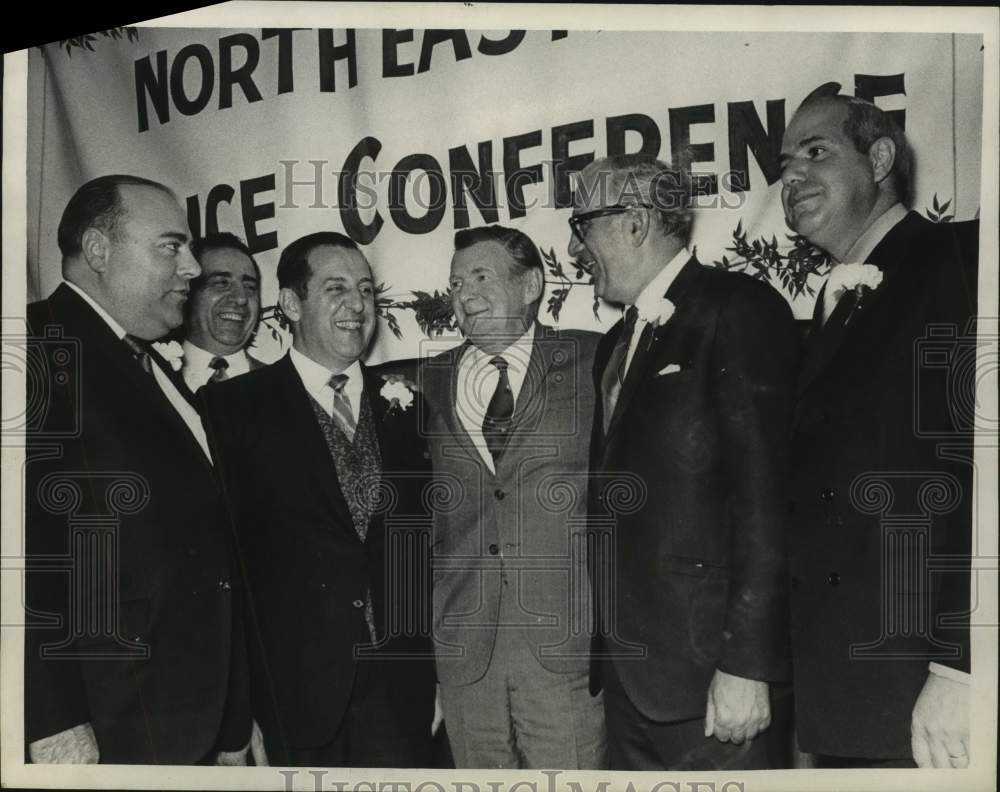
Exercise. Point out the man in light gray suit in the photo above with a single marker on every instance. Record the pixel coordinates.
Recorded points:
(509, 414)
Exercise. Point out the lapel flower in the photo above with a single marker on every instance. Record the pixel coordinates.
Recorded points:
(172, 352)
(398, 391)
(858, 277)
(666, 310)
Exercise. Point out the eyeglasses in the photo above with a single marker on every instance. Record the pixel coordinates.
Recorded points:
(578, 223)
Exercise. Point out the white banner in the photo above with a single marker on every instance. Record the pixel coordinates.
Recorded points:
(399, 137)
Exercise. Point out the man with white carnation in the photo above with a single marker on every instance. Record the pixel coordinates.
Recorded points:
(687, 498)
(880, 645)
(325, 474)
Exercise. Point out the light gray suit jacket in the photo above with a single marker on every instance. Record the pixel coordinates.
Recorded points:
(525, 523)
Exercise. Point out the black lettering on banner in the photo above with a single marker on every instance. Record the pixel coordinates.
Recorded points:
(397, 194)
(207, 74)
(516, 176)
(646, 127)
(391, 39)
(330, 54)
(563, 164)
(871, 86)
(685, 154)
(194, 216)
(219, 194)
(253, 213)
(458, 39)
(480, 183)
(243, 76)
(559, 34)
(746, 131)
(347, 193)
(286, 80)
(501, 46)
(153, 85)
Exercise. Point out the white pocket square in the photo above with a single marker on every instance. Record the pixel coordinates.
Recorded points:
(670, 368)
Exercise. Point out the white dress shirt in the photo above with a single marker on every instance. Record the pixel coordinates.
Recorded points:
(187, 413)
(197, 371)
(649, 301)
(477, 380)
(316, 380)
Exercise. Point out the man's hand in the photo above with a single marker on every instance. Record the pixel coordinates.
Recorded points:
(73, 746)
(939, 729)
(738, 709)
(438, 710)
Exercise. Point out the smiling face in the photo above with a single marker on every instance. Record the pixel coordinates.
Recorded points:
(335, 321)
(829, 188)
(492, 295)
(145, 266)
(226, 305)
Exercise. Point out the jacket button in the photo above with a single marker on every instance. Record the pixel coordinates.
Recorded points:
(358, 603)
(494, 549)
(499, 494)
(225, 585)
(833, 579)
(826, 495)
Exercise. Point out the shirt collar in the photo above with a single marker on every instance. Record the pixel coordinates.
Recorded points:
(875, 233)
(315, 376)
(108, 318)
(517, 354)
(648, 301)
(201, 357)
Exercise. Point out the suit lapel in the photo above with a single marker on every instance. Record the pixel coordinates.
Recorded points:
(99, 337)
(306, 436)
(849, 318)
(440, 383)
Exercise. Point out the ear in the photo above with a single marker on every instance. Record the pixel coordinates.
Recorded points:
(882, 154)
(639, 225)
(290, 304)
(534, 285)
(95, 247)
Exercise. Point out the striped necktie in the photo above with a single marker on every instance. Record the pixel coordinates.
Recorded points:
(496, 423)
(140, 351)
(342, 406)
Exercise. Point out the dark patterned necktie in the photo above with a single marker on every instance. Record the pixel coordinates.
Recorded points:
(614, 373)
(219, 366)
(140, 351)
(342, 406)
(496, 424)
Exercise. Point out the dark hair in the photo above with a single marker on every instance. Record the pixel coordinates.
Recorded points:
(293, 265)
(864, 124)
(518, 245)
(221, 240)
(97, 204)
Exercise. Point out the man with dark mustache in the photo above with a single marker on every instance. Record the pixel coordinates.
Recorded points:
(880, 679)
(222, 312)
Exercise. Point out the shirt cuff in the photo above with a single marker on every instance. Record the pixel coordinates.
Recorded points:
(949, 673)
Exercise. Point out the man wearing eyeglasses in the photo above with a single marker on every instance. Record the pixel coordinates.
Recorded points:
(693, 413)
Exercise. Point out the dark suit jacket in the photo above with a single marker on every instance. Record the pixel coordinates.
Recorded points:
(307, 570)
(692, 473)
(122, 508)
(527, 518)
(880, 401)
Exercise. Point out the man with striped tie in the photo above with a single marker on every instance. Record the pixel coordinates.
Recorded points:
(321, 461)
(222, 312)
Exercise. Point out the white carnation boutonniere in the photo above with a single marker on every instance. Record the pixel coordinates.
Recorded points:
(664, 310)
(398, 391)
(857, 277)
(172, 352)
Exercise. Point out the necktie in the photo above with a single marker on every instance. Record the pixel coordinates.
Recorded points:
(831, 296)
(614, 373)
(496, 424)
(342, 406)
(219, 366)
(140, 351)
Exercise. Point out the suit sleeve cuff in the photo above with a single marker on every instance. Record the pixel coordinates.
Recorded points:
(949, 673)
